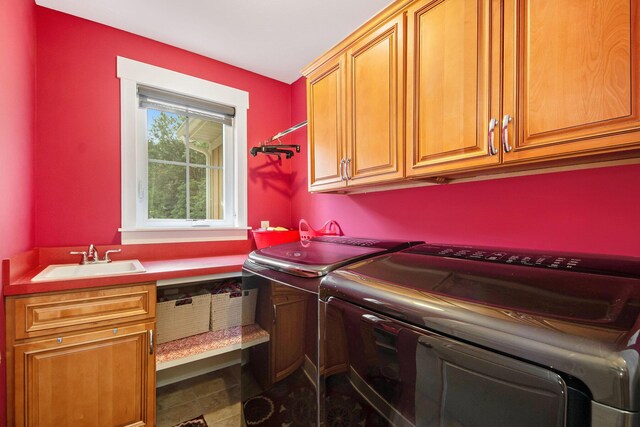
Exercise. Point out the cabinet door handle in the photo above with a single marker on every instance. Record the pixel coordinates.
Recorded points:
(342, 178)
(275, 313)
(492, 147)
(505, 133)
(346, 168)
(150, 341)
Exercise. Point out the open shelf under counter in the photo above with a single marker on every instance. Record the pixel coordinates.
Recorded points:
(208, 344)
(198, 279)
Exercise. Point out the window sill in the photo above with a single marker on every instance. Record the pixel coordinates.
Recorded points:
(134, 236)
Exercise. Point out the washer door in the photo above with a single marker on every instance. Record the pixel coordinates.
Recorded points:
(461, 385)
(413, 377)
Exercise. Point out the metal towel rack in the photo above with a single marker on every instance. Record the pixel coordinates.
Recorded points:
(267, 146)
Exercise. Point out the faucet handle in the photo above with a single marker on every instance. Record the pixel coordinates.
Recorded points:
(92, 253)
(84, 256)
(111, 251)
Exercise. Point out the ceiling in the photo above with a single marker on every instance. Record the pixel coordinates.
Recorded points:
(275, 38)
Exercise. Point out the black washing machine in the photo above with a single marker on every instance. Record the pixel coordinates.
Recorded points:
(282, 387)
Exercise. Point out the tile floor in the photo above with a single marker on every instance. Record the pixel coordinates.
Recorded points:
(215, 395)
(250, 387)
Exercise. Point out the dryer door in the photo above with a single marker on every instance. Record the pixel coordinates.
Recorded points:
(415, 377)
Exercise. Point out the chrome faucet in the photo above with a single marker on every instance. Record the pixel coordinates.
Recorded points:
(91, 256)
(110, 251)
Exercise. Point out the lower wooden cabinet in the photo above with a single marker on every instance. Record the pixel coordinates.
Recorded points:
(98, 376)
(281, 311)
(288, 334)
(336, 359)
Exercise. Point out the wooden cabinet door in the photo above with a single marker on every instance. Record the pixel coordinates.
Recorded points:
(571, 77)
(325, 112)
(449, 86)
(104, 378)
(375, 105)
(334, 338)
(287, 334)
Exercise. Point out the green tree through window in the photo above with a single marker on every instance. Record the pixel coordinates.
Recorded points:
(169, 173)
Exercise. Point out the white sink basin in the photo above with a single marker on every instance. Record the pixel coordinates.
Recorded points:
(77, 271)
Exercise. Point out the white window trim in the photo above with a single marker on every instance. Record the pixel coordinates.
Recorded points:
(132, 73)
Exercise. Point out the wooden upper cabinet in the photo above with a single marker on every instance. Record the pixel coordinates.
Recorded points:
(355, 106)
(325, 102)
(449, 83)
(374, 105)
(571, 77)
(471, 87)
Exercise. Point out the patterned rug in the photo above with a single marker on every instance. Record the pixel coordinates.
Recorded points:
(195, 422)
(292, 403)
(346, 408)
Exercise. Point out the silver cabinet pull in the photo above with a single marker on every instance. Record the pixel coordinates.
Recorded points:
(492, 147)
(342, 162)
(275, 313)
(505, 133)
(346, 168)
(150, 341)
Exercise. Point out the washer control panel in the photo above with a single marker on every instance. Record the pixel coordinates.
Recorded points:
(586, 263)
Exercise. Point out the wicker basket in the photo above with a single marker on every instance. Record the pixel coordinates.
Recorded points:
(228, 311)
(182, 317)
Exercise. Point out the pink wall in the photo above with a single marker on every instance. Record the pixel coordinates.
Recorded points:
(17, 56)
(77, 167)
(17, 52)
(595, 210)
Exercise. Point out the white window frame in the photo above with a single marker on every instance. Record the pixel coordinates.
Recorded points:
(134, 156)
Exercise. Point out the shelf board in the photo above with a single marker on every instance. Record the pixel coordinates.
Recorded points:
(196, 279)
(209, 344)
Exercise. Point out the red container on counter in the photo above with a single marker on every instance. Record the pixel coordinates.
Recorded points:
(265, 238)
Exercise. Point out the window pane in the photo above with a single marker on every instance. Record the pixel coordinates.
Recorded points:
(204, 137)
(205, 192)
(166, 135)
(198, 193)
(196, 157)
(167, 191)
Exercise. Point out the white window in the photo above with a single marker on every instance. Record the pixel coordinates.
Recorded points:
(183, 157)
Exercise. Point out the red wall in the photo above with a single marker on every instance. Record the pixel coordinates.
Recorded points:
(17, 51)
(596, 210)
(77, 167)
(66, 191)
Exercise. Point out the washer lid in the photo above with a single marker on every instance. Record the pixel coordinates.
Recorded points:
(321, 255)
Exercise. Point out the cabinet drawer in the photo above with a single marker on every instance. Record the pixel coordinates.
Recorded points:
(69, 311)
